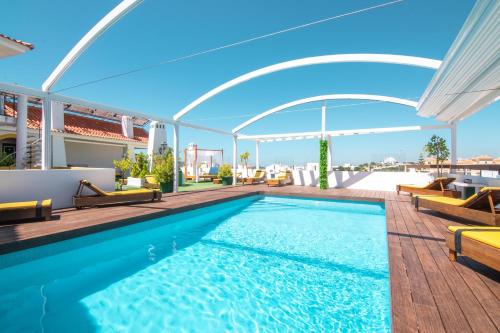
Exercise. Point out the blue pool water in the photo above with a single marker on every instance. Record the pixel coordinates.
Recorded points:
(259, 264)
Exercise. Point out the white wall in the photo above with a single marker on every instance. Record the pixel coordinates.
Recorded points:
(58, 184)
(478, 179)
(92, 155)
(378, 181)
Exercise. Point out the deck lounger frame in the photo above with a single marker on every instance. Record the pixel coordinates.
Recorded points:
(106, 198)
(479, 208)
(474, 249)
(436, 187)
(258, 178)
(41, 210)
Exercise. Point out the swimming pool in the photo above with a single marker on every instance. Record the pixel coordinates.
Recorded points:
(262, 263)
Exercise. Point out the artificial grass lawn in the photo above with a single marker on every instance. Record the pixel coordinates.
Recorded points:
(188, 186)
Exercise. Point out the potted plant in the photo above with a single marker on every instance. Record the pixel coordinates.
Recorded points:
(163, 170)
(138, 171)
(124, 166)
(225, 174)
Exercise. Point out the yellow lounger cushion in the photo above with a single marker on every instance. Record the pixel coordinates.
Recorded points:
(448, 201)
(151, 179)
(23, 205)
(117, 193)
(18, 205)
(489, 238)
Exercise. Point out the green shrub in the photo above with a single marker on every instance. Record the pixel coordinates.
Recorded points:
(225, 170)
(123, 165)
(140, 166)
(7, 160)
(323, 164)
(163, 167)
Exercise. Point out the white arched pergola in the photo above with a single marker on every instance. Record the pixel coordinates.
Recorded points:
(310, 61)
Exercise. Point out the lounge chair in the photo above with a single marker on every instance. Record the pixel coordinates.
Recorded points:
(13, 211)
(479, 243)
(211, 175)
(283, 178)
(258, 177)
(105, 198)
(436, 187)
(480, 207)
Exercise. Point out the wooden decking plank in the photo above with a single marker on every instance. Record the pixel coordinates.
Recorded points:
(403, 312)
(473, 312)
(428, 316)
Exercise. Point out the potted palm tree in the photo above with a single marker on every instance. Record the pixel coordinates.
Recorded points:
(225, 174)
(163, 171)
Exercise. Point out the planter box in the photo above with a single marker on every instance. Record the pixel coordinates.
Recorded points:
(135, 182)
(227, 180)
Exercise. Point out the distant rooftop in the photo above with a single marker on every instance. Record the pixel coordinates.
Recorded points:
(82, 125)
(10, 46)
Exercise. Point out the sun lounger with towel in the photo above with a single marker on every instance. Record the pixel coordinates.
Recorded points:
(479, 243)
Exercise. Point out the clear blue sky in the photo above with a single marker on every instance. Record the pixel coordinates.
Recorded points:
(159, 30)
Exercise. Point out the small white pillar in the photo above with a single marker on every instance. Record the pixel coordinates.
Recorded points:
(58, 151)
(46, 134)
(257, 156)
(235, 160)
(330, 153)
(21, 130)
(176, 158)
(323, 120)
(453, 152)
(156, 140)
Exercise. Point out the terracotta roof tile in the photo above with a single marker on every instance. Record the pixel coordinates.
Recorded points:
(28, 45)
(80, 125)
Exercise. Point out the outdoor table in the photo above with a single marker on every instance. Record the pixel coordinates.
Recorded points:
(468, 188)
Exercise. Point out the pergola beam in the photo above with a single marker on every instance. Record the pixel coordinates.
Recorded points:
(107, 21)
(324, 98)
(319, 60)
(317, 134)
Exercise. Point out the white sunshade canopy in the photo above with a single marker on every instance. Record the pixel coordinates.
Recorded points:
(468, 80)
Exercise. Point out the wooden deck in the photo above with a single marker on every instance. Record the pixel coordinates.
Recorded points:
(429, 293)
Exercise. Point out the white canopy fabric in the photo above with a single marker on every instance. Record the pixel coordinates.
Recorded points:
(468, 79)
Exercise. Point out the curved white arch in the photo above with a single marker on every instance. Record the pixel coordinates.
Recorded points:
(111, 18)
(325, 98)
(326, 59)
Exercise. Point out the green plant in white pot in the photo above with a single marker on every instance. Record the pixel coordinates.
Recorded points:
(163, 171)
(225, 174)
(138, 171)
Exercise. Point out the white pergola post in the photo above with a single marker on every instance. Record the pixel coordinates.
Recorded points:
(453, 152)
(330, 153)
(176, 158)
(46, 134)
(323, 120)
(21, 130)
(235, 159)
(257, 157)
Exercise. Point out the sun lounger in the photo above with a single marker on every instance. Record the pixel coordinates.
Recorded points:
(479, 243)
(13, 211)
(151, 182)
(259, 177)
(480, 207)
(283, 178)
(105, 198)
(436, 187)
